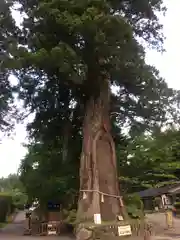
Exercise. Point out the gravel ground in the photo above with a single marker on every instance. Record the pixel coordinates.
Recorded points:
(160, 227)
(10, 237)
(15, 230)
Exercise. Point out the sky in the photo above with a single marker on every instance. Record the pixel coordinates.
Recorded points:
(11, 149)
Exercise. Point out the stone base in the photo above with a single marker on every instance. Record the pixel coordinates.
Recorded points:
(27, 232)
(109, 231)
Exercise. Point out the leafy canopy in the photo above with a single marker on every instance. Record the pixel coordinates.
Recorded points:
(143, 162)
(66, 47)
(150, 161)
(12, 186)
(8, 33)
(47, 177)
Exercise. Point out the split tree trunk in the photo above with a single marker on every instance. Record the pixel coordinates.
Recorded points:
(98, 171)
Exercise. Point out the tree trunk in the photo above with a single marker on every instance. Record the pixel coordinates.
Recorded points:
(99, 190)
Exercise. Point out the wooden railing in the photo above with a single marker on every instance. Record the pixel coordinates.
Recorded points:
(44, 229)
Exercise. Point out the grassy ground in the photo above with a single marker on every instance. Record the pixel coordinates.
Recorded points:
(8, 220)
(2, 225)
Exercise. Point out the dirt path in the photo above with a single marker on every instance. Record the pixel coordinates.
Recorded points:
(15, 230)
(17, 227)
(20, 217)
(11, 237)
(159, 222)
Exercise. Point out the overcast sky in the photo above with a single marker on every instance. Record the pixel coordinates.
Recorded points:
(12, 151)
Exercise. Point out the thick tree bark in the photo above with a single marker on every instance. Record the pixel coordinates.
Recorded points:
(98, 172)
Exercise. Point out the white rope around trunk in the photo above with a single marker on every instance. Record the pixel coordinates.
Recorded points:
(103, 193)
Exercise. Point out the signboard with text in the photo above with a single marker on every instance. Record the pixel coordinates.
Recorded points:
(124, 230)
(53, 206)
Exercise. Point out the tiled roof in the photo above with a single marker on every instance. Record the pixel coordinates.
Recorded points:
(153, 192)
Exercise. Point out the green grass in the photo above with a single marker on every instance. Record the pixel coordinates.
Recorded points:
(2, 225)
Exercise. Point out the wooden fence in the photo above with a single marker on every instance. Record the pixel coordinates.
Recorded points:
(44, 229)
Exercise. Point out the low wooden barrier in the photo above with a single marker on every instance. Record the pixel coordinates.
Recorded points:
(46, 228)
(140, 230)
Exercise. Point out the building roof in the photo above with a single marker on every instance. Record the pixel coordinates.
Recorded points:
(154, 192)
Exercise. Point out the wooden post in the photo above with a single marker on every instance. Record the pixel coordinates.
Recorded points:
(169, 219)
(28, 224)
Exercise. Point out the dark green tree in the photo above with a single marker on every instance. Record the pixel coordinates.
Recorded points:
(8, 34)
(47, 177)
(11, 183)
(150, 161)
(70, 55)
(13, 187)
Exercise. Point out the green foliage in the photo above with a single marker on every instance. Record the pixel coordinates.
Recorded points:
(5, 206)
(150, 165)
(11, 183)
(64, 49)
(134, 206)
(19, 199)
(150, 161)
(13, 186)
(69, 216)
(2, 225)
(134, 212)
(47, 178)
(133, 199)
(177, 205)
(8, 34)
